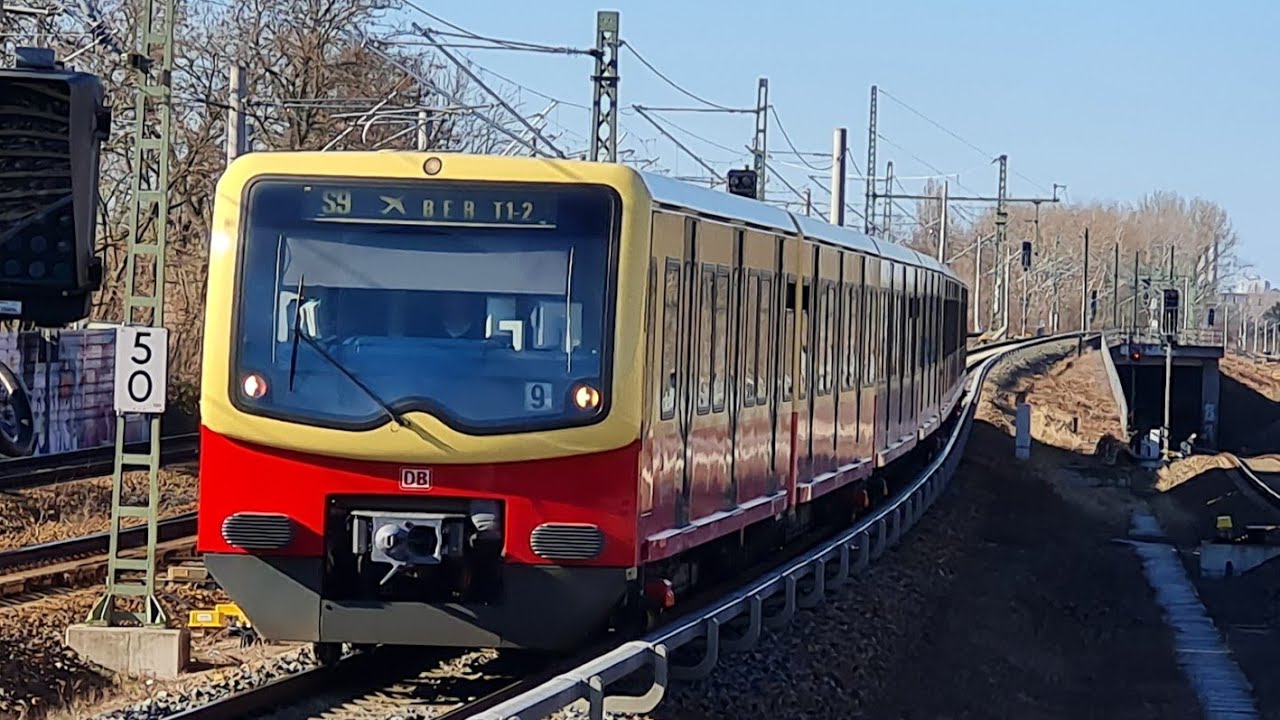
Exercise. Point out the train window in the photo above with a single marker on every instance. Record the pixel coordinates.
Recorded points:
(670, 337)
(788, 338)
(819, 337)
(705, 297)
(890, 334)
(868, 331)
(751, 339)
(765, 337)
(806, 342)
(720, 340)
(851, 337)
(828, 351)
(846, 337)
(881, 335)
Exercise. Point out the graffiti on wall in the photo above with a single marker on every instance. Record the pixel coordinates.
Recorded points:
(69, 380)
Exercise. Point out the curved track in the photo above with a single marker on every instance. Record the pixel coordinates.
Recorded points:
(521, 690)
(1253, 476)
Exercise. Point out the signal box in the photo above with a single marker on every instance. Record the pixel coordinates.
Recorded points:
(742, 182)
(52, 125)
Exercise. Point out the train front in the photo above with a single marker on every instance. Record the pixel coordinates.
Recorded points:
(419, 424)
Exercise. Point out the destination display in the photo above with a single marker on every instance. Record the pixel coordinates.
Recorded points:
(421, 204)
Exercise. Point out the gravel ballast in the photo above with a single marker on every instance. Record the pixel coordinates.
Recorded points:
(1008, 600)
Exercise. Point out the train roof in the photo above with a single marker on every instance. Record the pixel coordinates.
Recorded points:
(669, 191)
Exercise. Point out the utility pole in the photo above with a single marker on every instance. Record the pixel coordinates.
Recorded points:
(236, 135)
(1026, 302)
(604, 105)
(760, 144)
(1084, 298)
(149, 205)
(808, 202)
(942, 231)
(424, 131)
(1002, 220)
(977, 285)
(1168, 390)
(886, 230)
(1115, 289)
(1133, 328)
(1186, 302)
(1226, 326)
(1053, 308)
(869, 209)
(838, 145)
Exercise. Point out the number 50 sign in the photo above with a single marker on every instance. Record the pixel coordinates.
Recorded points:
(142, 355)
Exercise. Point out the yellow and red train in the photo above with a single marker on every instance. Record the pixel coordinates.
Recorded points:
(486, 401)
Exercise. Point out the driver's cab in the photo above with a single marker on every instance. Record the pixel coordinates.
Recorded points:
(517, 323)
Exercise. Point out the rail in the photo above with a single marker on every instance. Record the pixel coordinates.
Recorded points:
(1265, 491)
(28, 472)
(868, 539)
(172, 528)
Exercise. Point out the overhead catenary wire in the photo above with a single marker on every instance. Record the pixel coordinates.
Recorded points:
(953, 134)
(691, 95)
(787, 138)
(640, 110)
(427, 33)
(501, 43)
(429, 84)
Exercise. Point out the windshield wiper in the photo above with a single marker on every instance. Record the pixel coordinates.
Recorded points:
(399, 419)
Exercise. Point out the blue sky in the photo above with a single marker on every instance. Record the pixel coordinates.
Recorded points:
(1113, 99)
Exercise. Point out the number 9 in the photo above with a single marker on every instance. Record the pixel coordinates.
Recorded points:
(538, 396)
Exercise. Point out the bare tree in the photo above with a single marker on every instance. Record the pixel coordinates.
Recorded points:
(315, 69)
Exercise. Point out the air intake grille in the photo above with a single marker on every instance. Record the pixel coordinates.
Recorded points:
(258, 531)
(567, 542)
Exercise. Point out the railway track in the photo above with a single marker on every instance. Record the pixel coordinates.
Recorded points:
(388, 682)
(372, 684)
(39, 471)
(35, 570)
(1252, 476)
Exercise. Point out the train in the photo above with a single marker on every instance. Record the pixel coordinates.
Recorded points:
(477, 401)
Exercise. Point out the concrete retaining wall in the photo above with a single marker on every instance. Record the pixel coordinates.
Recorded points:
(1117, 388)
(68, 376)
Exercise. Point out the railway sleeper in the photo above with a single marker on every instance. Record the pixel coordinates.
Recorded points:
(78, 573)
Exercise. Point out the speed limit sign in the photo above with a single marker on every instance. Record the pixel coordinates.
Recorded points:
(142, 355)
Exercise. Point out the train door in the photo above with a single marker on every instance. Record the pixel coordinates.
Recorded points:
(911, 356)
(860, 321)
(804, 368)
(789, 436)
(736, 332)
(847, 439)
(823, 399)
(756, 424)
(892, 384)
(877, 337)
(930, 345)
(708, 451)
(664, 487)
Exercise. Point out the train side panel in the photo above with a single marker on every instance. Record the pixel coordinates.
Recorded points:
(755, 431)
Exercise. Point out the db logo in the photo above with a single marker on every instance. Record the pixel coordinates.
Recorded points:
(415, 478)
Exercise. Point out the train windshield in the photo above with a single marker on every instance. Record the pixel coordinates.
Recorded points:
(484, 305)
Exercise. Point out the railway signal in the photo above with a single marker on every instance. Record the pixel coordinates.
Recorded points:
(743, 182)
(1171, 300)
(50, 138)
(1026, 254)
